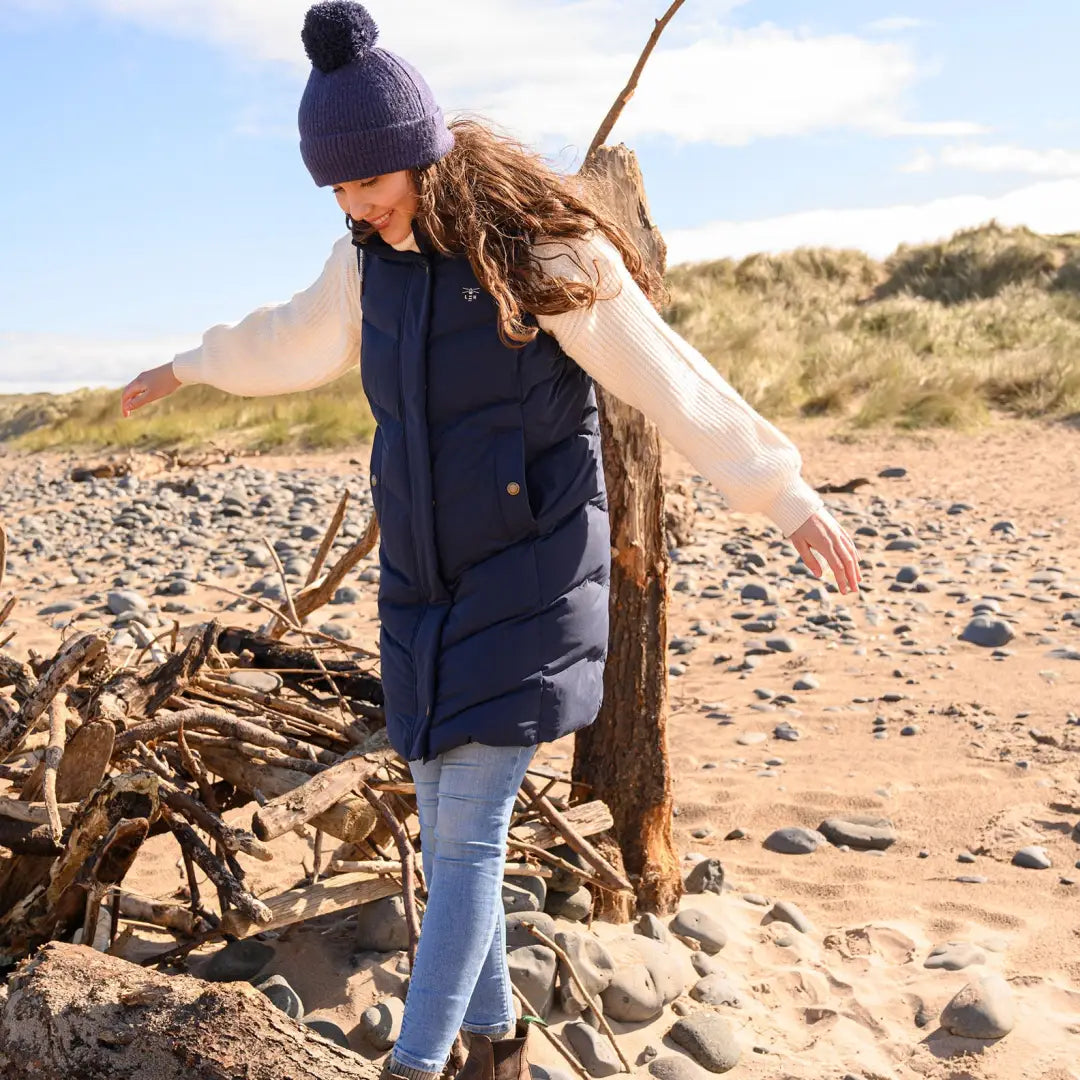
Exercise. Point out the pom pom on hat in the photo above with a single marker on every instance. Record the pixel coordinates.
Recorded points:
(336, 33)
(365, 111)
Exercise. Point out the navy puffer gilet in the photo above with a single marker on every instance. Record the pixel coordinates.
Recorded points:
(487, 479)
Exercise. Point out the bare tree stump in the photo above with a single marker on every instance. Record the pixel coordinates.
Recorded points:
(623, 754)
(73, 1012)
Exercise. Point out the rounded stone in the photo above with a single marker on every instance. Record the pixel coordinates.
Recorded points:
(984, 1009)
(516, 934)
(699, 926)
(574, 906)
(676, 1067)
(707, 1037)
(265, 682)
(648, 925)
(786, 912)
(987, 632)
(706, 876)
(860, 831)
(593, 963)
(794, 840)
(668, 964)
(328, 1030)
(239, 961)
(120, 601)
(380, 1024)
(381, 925)
(632, 996)
(717, 989)
(277, 989)
(594, 1050)
(517, 898)
(1032, 858)
(532, 971)
(954, 955)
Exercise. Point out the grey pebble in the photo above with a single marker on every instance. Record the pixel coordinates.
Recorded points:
(239, 961)
(277, 989)
(717, 989)
(709, 1040)
(987, 633)
(984, 1009)
(699, 926)
(381, 925)
(593, 963)
(593, 1049)
(706, 876)
(516, 934)
(632, 996)
(380, 1024)
(532, 971)
(265, 682)
(1032, 858)
(648, 925)
(676, 1067)
(955, 955)
(328, 1030)
(786, 912)
(794, 840)
(860, 831)
(574, 906)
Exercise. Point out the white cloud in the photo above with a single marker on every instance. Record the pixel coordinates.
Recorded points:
(1051, 207)
(895, 23)
(549, 72)
(998, 159)
(58, 363)
(922, 162)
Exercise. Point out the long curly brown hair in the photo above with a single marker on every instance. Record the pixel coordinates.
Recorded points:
(490, 198)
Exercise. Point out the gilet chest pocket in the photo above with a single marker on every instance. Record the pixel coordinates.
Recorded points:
(510, 490)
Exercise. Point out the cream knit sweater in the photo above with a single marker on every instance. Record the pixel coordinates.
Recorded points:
(621, 342)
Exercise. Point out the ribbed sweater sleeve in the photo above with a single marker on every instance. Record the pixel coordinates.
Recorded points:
(628, 348)
(281, 348)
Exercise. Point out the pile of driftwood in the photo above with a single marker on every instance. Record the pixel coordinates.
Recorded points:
(101, 751)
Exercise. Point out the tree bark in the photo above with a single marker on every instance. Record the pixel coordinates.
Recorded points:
(623, 754)
(73, 1012)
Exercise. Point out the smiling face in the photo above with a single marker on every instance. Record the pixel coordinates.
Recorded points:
(387, 203)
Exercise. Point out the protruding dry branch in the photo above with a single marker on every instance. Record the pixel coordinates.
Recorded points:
(628, 91)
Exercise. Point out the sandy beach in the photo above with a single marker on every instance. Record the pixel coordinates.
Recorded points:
(789, 705)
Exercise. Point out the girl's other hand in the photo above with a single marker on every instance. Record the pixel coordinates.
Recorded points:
(823, 533)
(149, 386)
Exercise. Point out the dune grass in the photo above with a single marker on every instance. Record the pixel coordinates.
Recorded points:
(939, 335)
(330, 416)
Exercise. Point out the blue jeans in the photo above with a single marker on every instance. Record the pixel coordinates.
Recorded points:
(460, 979)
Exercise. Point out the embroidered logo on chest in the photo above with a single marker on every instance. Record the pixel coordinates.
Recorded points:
(471, 294)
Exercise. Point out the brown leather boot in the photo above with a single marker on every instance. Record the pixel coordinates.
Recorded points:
(504, 1059)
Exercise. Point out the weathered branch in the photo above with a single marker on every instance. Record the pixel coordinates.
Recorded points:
(628, 91)
(300, 805)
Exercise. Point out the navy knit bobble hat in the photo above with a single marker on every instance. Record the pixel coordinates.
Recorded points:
(364, 111)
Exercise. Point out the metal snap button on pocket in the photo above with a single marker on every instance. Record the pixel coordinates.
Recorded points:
(374, 479)
(513, 488)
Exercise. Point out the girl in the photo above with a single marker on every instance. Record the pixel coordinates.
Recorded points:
(481, 293)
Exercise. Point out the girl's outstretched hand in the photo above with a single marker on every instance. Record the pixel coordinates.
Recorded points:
(821, 532)
(148, 386)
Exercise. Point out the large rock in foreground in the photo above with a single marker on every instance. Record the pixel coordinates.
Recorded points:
(73, 1012)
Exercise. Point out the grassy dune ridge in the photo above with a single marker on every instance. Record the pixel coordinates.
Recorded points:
(938, 335)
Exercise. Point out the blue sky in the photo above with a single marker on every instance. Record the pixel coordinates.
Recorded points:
(152, 185)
